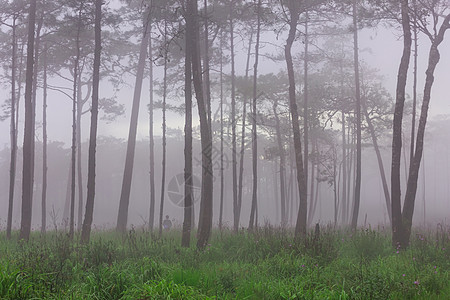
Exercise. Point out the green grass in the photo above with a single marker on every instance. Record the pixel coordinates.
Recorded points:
(265, 264)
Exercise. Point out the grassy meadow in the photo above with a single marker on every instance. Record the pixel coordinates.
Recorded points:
(265, 264)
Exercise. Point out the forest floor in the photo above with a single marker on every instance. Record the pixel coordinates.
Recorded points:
(265, 264)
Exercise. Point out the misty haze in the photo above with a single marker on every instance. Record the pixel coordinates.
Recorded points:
(224, 149)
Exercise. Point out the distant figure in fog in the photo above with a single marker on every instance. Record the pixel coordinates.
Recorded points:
(167, 224)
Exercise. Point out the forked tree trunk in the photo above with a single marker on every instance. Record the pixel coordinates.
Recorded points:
(397, 228)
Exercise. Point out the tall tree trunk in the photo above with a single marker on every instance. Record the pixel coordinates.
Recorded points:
(357, 195)
(151, 218)
(80, 103)
(252, 222)
(413, 116)
(242, 150)
(25, 223)
(13, 129)
(411, 188)
(74, 124)
(344, 172)
(188, 203)
(300, 226)
(164, 129)
(206, 205)
(312, 206)
(282, 164)
(236, 207)
(305, 112)
(397, 228)
(89, 211)
(122, 216)
(44, 148)
(221, 137)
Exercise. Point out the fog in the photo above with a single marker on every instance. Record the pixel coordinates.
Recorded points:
(380, 52)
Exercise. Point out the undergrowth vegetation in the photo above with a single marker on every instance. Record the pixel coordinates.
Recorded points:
(265, 264)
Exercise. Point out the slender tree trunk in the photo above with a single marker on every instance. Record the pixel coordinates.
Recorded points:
(387, 197)
(397, 228)
(282, 164)
(236, 207)
(411, 189)
(164, 129)
(129, 159)
(151, 218)
(413, 116)
(87, 223)
(221, 138)
(313, 175)
(13, 129)
(252, 222)
(25, 224)
(206, 205)
(242, 150)
(44, 148)
(79, 166)
(357, 195)
(300, 226)
(305, 112)
(188, 203)
(74, 125)
(344, 172)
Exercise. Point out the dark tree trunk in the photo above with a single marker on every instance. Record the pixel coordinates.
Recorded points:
(25, 224)
(13, 129)
(411, 188)
(221, 138)
(164, 129)
(397, 228)
(253, 219)
(305, 113)
(357, 195)
(344, 172)
(188, 203)
(300, 226)
(206, 205)
(80, 103)
(87, 223)
(122, 216)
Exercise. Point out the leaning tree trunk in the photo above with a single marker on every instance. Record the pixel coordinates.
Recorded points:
(300, 226)
(357, 195)
(253, 219)
(25, 223)
(397, 228)
(88, 216)
(122, 216)
(411, 188)
(13, 129)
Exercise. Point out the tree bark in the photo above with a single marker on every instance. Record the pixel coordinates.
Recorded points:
(88, 216)
(44, 148)
(151, 218)
(122, 216)
(357, 195)
(300, 226)
(397, 228)
(25, 224)
(282, 164)
(252, 222)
